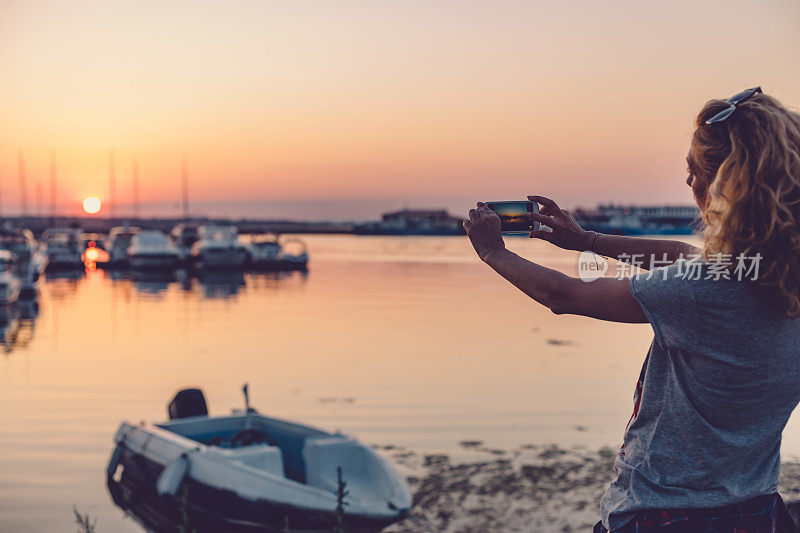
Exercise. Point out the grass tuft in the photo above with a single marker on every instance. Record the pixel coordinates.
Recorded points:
(183, 527)
(85, 523)
(341, 494)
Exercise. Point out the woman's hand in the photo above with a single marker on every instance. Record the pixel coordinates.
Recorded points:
(567, 233)
(483, 230)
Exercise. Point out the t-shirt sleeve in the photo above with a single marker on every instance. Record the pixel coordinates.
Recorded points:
(667, 300)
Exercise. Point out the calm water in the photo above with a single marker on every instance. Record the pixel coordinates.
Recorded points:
(408, 341)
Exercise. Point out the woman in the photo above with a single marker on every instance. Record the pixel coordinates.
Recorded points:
(722, 375)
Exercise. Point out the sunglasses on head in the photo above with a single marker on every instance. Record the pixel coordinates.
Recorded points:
(738, 98)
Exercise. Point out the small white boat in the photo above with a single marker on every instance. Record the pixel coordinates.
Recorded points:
(30, 273)
(20, 242)
(117, 244)
(250, 472)
(270, 252)
(219, 248)
(64, 248)
(29, 261)
(152, 250)
(10, 284)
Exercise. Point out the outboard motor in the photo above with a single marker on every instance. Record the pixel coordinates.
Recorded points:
(186, 403)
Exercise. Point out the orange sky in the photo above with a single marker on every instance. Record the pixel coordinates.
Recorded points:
(342, 109)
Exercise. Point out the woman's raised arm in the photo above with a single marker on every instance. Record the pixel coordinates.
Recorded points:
(604, 298)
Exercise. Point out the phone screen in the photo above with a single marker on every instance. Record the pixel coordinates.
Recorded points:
(514, 216)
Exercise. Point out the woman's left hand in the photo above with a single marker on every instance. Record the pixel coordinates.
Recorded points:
(483, 230)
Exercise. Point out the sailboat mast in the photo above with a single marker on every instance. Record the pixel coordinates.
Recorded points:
(23, 198)
(135, 185)
(39, 208)
(52, 183)
(112, 184)
(185, 187)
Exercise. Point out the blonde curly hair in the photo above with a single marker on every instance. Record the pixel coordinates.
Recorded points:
(748, 172)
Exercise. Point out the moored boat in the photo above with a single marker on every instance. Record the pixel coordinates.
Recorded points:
(250, 472)
(152, 250)
(20, 242)
(64, 248)
(30, 274)
(28, 260)
(10, 284)
(219, 248)
(270, 252)
(117, 244)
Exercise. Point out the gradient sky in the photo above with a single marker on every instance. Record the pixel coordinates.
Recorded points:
(344, 109)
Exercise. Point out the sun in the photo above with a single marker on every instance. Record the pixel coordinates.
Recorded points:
(91, 205)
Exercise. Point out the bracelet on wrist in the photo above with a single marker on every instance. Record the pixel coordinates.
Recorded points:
(594, 241)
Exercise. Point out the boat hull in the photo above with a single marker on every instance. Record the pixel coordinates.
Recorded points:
(208, 509)
(116, 264)
(10, 286)
(278, 264)
(63, 261)
(221, 258)
(55, 266)
(153, 261)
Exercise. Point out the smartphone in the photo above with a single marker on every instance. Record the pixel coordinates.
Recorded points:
(514, 216)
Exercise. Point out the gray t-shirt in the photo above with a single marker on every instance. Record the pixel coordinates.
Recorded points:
(716, 389)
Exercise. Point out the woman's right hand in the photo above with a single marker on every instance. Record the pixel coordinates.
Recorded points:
(567, 233)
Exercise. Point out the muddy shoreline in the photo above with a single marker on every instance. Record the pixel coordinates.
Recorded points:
(532, 488)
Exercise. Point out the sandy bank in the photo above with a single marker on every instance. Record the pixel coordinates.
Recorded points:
(532, 488)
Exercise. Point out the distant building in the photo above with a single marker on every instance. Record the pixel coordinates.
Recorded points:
(640, 220)
(413, 222)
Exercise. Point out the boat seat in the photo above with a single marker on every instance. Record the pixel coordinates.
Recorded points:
(261, 456)
(323, 455)
(290, 439)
